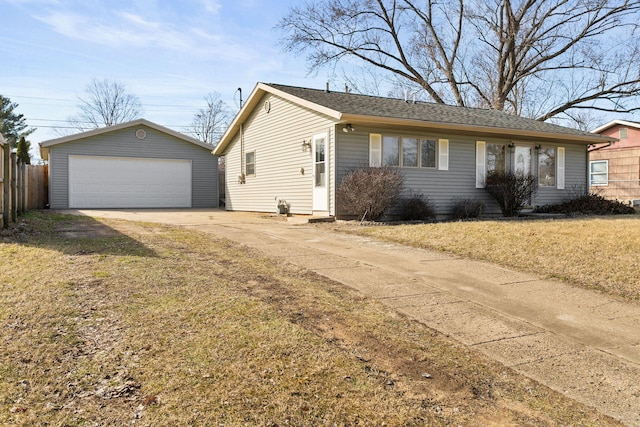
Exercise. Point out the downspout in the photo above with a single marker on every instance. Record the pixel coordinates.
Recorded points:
(242, 165)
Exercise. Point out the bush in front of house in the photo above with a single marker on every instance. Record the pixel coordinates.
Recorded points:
(368, 192)
(466, 209)
(512, 191)
(588, 204)
(417, 208)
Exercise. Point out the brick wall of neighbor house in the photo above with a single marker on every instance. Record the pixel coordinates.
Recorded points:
(120, 143)
(444, 187)
(283, 168)
(624, 173)
(623, 162)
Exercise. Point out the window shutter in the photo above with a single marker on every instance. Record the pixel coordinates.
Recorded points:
(560, 168)
(443, 154)
(481, 163)
(375, 150)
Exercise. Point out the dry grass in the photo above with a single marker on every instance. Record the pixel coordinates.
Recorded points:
(599, 252)
(118, 323)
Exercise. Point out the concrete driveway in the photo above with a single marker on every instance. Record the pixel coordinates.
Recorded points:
(579, 342)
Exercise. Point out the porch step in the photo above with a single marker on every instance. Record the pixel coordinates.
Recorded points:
(309, 219)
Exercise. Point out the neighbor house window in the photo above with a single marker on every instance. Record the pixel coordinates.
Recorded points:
(547, 167)
(599, 172)
(250, 163)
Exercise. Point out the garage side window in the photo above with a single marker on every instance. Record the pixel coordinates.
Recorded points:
(250, 163)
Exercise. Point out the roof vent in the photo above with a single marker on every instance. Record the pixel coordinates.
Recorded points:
(141, 134)
(327, 88)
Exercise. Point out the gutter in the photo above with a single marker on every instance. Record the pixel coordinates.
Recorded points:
(609, 144)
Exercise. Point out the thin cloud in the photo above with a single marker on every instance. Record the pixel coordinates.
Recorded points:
(126, 29)
(211, 6)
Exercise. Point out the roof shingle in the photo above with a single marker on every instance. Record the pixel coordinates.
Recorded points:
(365, 105)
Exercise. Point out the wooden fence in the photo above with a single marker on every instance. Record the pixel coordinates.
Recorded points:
(22, 187)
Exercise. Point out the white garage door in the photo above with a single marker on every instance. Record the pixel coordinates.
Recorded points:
(110, 182)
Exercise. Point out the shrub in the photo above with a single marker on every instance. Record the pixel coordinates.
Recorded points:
(592, 204)
(511, 191)
(466, 209)
(368, 192)
(417, 208)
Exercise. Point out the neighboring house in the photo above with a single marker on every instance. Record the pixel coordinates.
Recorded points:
(614, 168)
(138, 164)
(295, 145)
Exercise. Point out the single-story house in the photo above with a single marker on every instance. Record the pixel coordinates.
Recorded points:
(138, 164)
(295, 145)
(614, 167)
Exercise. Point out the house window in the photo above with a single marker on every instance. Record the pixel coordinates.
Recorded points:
(428, 153)
(623, 133)
(547, 167)
(250, 163)
(496, 158)
(390, 151)
(410, 152)
(599, 172)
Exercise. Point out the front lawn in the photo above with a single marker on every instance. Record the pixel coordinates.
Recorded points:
(597, 252)
(118, 323)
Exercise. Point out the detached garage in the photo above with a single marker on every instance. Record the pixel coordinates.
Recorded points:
(138, 164)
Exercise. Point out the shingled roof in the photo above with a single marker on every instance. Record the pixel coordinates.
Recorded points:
(349, 107)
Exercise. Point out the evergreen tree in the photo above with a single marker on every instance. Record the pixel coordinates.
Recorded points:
(23, 150)
(12, 124)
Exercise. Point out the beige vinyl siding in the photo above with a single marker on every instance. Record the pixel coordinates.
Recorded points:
(276, 137)
(123, 143)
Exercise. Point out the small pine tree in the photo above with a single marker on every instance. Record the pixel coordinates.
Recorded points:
(23, 150)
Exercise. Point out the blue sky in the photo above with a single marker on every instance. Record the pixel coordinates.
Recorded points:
(169, 53)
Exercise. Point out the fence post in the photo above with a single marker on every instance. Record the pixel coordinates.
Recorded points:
(14, 187)
(6, 185)
(19, 187)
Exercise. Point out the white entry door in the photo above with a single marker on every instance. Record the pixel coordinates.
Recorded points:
(320, 172)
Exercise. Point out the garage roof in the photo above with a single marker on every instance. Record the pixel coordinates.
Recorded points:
(45, 145)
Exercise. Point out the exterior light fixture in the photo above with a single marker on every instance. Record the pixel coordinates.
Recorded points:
(348, 128)
(306, 145)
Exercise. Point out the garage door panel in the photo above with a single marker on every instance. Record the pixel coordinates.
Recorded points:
(108, 182)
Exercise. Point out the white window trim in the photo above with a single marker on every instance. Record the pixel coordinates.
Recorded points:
(560, 168)
(375, 150)
(481, 163)
(443, 155)
(605, 184)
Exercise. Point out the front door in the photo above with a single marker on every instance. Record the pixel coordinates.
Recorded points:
(522, 160)
(320, 173)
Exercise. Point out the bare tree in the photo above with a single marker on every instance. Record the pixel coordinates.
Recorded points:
(209, 123)
(106, 103)
(539, 59)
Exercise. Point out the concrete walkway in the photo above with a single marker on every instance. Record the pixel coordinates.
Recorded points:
(581, 343)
